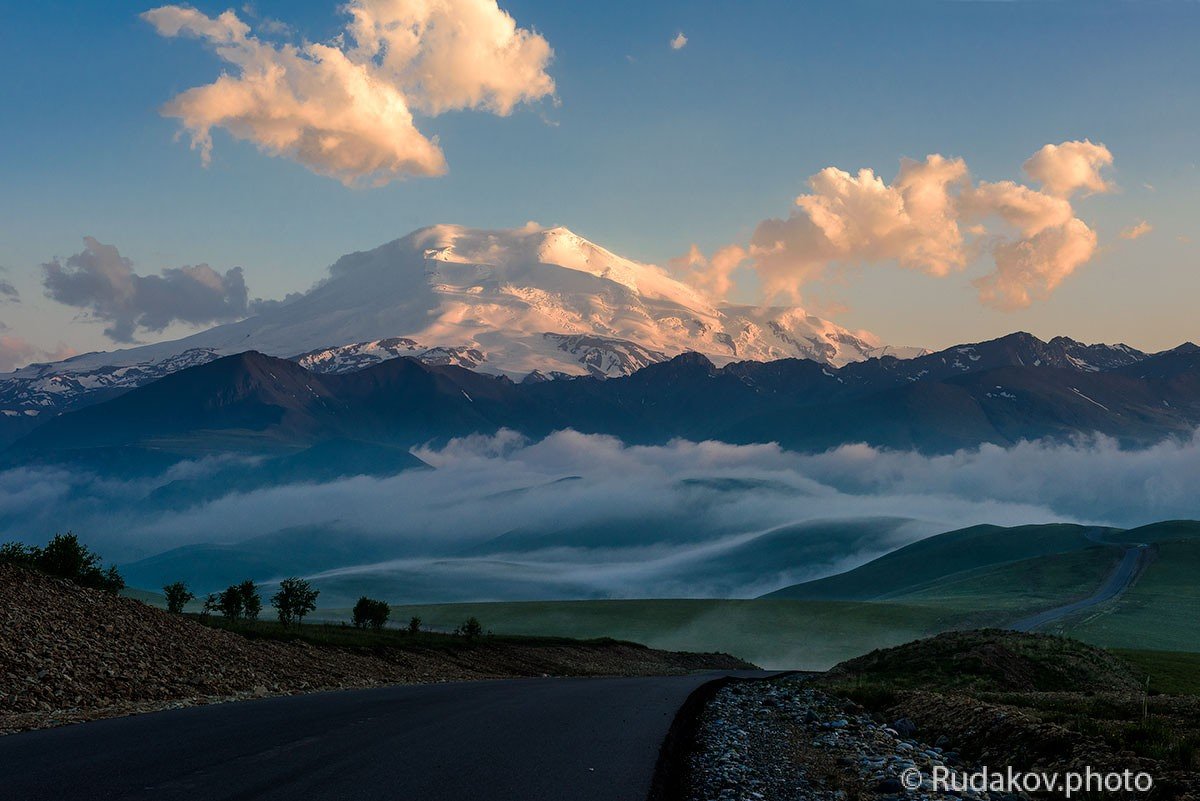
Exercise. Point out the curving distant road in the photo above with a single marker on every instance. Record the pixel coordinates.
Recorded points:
(513, 740)
(1117, 582)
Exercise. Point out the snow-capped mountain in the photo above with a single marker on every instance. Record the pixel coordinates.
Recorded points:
(531, 302)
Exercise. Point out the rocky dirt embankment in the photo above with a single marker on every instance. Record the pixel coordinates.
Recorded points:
(69, 654)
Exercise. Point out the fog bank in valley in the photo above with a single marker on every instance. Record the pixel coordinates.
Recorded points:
(576, 515)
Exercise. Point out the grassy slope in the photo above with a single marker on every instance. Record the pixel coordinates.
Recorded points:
(809, 635)
(991, 661)
(342, 635)
(1161, 611)
(940, 556)
(813, 634)
(1166, 531)
(1170, 672)
(1016, 588)
(1091, 692)
(801, 634)
(956, 580)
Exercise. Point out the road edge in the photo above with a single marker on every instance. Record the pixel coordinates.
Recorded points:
(680, 740)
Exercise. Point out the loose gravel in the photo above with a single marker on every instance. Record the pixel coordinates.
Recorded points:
(783, 740)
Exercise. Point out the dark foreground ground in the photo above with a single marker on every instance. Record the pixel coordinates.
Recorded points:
(962, 700)
(524, 739)
(69, 654)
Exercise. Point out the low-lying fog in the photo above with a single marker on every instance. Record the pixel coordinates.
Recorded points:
(577, 516)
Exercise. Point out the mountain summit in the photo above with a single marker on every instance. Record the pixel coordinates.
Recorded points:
(541, 301)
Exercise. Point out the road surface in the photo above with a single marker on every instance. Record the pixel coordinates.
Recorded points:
(514, 740)
(1117, 582)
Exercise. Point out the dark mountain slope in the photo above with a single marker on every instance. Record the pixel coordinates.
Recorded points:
(248, 392)
(1003, 391)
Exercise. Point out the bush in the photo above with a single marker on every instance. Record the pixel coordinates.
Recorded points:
(370, 612)
(66, 558)
(470, 628)
(295, 599)
(14, 553)
(414, 625)
(178, 596)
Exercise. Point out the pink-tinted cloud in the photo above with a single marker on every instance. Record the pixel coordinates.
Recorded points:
(1030, 268)
(345, 109)
(714, 276)
(17, 352)
(451, 54)
(856, 219)
(1137, 231)
(1068, 167)
(930, 218)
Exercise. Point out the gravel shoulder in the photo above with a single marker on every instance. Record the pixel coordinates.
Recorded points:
(785, 740)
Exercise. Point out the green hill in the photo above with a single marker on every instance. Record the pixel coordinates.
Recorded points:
(810, 635)
(1160, 611)
(1164, 532)
(936, 558)
(980, 576)
(1014, 588)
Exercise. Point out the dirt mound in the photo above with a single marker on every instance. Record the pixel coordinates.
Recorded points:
(1033, 702)
(68, 653)
(996, 661)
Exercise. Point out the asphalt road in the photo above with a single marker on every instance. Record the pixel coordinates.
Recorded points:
(516, 740)
(1117, 582)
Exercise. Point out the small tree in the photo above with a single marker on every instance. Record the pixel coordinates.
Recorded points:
(111, 581)
(470, 628)
(65, 557)
(212, 603)
(251, 600)
(370, 612)
(295, 599)
(230, 602)
(178, 596)
(414, 624)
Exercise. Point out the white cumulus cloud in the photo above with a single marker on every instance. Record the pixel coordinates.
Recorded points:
(344, 109)
(679, 42)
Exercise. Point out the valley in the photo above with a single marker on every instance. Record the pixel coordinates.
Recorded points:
(981, 577)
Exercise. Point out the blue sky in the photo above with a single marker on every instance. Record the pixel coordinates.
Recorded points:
(646, 151)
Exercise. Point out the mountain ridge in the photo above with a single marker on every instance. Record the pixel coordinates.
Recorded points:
(1002, 391)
